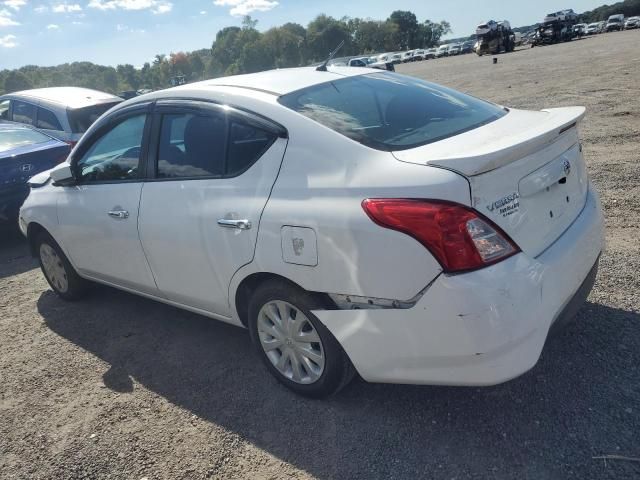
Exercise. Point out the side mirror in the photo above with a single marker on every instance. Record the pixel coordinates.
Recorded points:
(62, 174)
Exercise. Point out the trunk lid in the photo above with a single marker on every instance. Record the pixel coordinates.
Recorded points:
(526, 172)
(17, 166)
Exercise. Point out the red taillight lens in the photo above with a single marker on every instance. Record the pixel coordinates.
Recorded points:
(457, 236)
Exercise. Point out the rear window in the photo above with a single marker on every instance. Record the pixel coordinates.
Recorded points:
(47, 120)
(11, 138)
(390, 112)
(80, 119)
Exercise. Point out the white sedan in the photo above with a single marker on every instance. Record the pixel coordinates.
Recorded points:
(353, 220)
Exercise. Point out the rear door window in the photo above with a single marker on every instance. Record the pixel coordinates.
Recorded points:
(80, 119)
(192, 145)
(47, 120)
(212, 144)
(247, 144)
(24, 112)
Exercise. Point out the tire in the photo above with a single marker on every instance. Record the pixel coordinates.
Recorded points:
(327, 368)
(58, 271)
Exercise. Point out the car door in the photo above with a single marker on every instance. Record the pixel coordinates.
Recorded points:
(98, 216)
(213, 170)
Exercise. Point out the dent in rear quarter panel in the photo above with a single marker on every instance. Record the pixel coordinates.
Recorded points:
(322, 183)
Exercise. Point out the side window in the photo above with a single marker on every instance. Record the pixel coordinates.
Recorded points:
(48, 120)
(116, 154)
(246, 146)
(192, 145)
(4, 109)
(24, 112)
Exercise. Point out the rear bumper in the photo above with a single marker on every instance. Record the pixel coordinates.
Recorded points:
(478, 328)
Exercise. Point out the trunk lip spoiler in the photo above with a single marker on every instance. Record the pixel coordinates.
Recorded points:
(488, 149)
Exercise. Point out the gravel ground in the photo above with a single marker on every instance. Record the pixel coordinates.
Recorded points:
(120, 387)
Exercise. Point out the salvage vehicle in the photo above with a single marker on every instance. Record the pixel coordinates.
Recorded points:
(352, 220)
(594, 28)
(556, 27)
(64, 113)
(430, 53)
(631, 23)
(442, 51)
(24, 152)
(369, 62)
(615, 23)
(494, 37)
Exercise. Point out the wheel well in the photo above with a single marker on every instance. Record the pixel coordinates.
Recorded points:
(253, 281)
(33, 230)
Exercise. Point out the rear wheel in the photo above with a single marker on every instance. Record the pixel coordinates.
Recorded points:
(57, 269)
(294, 345)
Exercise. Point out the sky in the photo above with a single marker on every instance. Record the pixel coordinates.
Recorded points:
(111, 32)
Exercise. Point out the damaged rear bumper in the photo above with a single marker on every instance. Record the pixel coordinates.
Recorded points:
(478, 328)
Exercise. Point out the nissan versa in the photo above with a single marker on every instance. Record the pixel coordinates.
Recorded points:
(353, 220)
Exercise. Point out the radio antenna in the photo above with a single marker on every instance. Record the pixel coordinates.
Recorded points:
(323, 67)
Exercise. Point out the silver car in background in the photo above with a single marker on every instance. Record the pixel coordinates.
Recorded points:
(62, 112)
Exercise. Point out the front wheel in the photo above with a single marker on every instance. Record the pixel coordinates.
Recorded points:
(57, 269)
(294, 345)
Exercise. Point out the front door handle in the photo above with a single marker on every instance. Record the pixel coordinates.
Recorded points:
(239, 224)
(119, 214)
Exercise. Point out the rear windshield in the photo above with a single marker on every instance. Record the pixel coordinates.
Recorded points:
(80, 119)
(387, 111)
(11, 138)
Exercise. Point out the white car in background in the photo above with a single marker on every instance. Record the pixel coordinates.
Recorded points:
(64, 113)
(631, 23)
(442, 51)
(351, 219)
(594, 28)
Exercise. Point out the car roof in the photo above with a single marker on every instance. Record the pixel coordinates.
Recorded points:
(73, 97)
(281, 81)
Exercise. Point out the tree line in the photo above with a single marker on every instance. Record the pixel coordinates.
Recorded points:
(629, 8)
(244, 49)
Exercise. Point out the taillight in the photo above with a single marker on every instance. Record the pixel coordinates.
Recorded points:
(458, 237)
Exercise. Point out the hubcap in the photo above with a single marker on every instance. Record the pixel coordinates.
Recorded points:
(290, 342)
(54, 268)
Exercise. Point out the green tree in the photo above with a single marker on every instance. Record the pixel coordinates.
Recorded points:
(110, 80)
(406, 33)
(324, 34)
(129, 76)
(16, 81)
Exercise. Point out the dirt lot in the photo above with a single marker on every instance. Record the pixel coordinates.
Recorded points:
(121, 387)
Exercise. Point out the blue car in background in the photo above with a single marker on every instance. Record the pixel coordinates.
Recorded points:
(24, 152)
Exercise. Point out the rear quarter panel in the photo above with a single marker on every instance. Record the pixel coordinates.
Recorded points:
(323, 180)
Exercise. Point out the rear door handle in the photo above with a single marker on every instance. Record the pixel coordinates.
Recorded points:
(119, 214)
(239, 224)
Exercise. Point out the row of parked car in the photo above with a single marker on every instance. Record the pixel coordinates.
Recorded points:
(615, 23)
(38, 129)
(382, 60)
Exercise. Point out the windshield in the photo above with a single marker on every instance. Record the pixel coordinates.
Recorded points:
(11, 138)
(81, 119)
(390, 112)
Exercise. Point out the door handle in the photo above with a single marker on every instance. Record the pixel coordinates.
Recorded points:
(239, 224)
(119, 214)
